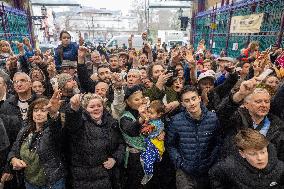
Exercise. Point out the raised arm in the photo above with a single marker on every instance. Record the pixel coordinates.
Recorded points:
(230, 104)
(86, 82)
(73, 119)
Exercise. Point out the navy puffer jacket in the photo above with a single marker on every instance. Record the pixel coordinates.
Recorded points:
(194, 144)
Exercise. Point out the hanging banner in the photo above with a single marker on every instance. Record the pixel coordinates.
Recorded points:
(246, 24)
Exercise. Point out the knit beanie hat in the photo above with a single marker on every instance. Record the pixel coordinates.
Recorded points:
(131, 90)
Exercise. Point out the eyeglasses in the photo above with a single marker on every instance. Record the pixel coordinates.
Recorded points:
(20, 81)
(39, 109)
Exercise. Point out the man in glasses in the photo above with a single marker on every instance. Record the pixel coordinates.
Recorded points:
(19, 103)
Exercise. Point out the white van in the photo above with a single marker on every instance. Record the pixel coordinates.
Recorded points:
(137, 41)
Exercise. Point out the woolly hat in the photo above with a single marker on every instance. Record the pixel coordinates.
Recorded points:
(62, 79)
(131, 90)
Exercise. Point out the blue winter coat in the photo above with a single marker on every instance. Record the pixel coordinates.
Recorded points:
(69, 53)
(194, 145)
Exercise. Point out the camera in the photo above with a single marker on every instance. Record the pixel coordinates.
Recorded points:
(173, 77)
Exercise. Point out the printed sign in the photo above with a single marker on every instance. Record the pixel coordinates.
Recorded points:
(246, 24)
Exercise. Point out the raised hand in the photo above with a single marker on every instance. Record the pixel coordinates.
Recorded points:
(204, 96)
(147, 48)
(117, 81)
(171, 106)
(75, 102)
(109, 163)
(18, 164)
(6, 177)
(54, 103)
(176, 55)
(163, 78)
(246, 88)
(82, 52)
(47, 53)
(189, 57)
(143, 113)
(20, 47)
(51, 69)
(12, 62)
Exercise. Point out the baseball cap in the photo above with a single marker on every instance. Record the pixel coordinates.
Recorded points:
(207, 74)
(229, 59)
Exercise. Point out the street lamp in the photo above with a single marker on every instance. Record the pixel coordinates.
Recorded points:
(180, 11)
(43, 11)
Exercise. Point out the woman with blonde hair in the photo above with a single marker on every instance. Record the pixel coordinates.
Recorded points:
(5, 52)
(95, 143)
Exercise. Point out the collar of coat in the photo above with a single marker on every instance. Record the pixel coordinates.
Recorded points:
(247, 122)
(272, 161)
(204, 111)
(14, 99)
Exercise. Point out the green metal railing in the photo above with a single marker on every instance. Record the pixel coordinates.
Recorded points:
(219, 37)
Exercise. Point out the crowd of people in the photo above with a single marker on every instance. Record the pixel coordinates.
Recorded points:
(129, 118)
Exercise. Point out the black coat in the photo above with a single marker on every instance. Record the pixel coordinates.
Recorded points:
(277, 104)
(134, 171)
(11, 129)
(236, 173)
(47, 148)
(10, 106)
(233, 118)
(216, 96)
(90, 146)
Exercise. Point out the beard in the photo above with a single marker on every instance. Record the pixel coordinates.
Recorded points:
(72, 91)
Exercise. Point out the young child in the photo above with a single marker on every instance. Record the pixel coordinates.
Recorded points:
(152, 128)
(5, 53)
